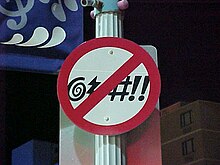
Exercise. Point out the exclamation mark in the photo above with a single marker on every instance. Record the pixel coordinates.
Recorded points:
(145, 84)
(134, 88)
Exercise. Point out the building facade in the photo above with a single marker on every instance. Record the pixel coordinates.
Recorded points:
(190, 133)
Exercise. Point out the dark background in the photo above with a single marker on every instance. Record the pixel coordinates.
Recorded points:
(187, 37)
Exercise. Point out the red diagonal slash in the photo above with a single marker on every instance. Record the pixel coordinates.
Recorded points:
(108, 85)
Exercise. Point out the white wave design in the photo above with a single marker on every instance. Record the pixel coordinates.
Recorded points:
(39, 36)
(44, 1)
(58, 36)
(16, 38)
(71, 5)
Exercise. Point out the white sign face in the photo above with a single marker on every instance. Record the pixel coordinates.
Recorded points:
(76, 145)
(124, 101)
(108, 86)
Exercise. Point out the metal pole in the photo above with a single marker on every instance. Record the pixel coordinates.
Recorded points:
(109, 150)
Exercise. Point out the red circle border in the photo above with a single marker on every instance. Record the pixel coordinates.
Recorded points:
(76, 54)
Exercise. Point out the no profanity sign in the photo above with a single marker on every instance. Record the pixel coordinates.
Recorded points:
(108, 86)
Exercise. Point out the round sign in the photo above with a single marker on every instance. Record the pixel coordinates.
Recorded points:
(108, 86)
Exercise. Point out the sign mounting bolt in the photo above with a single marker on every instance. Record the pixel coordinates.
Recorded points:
(107, 119)
(111, 52)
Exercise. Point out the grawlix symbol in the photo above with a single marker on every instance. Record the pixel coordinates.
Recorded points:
(134, 88)
(124, 92)
(135, 85)
(77, 89)
(94, 83)
(144, 88)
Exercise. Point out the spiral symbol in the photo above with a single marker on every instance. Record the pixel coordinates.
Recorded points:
(76, 90)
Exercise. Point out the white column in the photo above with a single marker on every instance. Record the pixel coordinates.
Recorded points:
(109, 25)
(109, 150)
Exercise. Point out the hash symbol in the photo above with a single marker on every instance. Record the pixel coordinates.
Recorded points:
(124, 91)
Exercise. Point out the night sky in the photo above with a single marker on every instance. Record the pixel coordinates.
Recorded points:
(187, 38)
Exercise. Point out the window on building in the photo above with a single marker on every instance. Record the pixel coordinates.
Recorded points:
(186, 119)
(188, 147)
